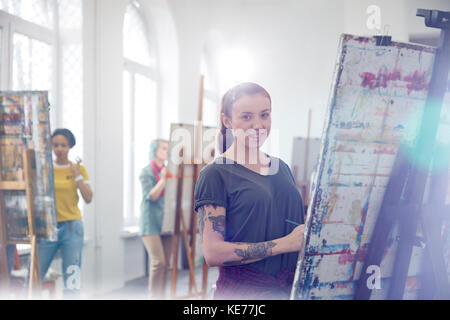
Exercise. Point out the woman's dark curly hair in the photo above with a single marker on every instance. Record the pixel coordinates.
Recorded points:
(66, 133)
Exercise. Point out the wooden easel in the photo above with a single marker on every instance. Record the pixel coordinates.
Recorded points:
(305, 183)
(191, 234)
(27, 186)
(404, 195)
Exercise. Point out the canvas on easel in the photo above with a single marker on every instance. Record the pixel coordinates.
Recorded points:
(377, 102)
(27, 197)
(24, 124)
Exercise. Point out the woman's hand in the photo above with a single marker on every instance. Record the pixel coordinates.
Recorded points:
(84, 188)
(76, 168)
(156, 191)
(294, 239)
(163, 173)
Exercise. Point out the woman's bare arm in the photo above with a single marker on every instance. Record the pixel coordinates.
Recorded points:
(85, 190)
(218, 252)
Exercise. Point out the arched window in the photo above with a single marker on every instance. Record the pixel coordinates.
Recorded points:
(140, 106)
(41, 49)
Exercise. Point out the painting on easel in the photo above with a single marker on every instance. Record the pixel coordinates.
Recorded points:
(377, 101)
(443, 137)
(24, 124)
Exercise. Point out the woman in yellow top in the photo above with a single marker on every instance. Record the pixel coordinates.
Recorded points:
(69, 178)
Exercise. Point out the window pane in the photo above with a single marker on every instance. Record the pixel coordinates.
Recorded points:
(32, 67)
(144, 130)
(136, 45)
(36, 11)
(71, 70)
(70, 15)
(128, 150)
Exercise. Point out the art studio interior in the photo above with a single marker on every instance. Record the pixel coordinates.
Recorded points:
(122, 74)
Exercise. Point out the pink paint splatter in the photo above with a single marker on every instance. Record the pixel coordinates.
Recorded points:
(342, 148)
(380, 80)
(384, 151)
(341, 285)
(345, 258)
(350, 257)
(416, 81)
(361, 39)
(412, 284)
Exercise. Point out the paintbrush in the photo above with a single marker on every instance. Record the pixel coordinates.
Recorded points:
(292, 222)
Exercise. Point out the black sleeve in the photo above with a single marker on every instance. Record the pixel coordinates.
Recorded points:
(210, 188)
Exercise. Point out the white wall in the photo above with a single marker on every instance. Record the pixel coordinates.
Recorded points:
(103, 267)
(110, 258)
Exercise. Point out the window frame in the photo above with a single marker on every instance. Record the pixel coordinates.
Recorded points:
(12, 24)
(131, 213)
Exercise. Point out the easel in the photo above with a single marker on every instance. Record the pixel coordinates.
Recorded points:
(403, 199)
(197, 163)
(27, 186)
(305, 183)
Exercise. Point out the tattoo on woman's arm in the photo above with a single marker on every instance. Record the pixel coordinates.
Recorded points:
(218, 224)
(253, 251)
(201, 219)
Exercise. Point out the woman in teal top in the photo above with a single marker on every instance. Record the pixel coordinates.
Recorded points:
(153, 180)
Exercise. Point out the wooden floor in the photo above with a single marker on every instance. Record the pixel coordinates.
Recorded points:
(138, 289)
(133, 290)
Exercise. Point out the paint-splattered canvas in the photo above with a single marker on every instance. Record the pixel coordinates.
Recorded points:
(377, 100)
(443, 137)
(24, 123)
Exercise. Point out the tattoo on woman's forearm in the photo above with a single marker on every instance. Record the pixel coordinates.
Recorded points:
(253, 251)
(201, 219)
(218, 224)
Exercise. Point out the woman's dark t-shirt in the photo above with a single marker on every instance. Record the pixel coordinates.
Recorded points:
(256, 205)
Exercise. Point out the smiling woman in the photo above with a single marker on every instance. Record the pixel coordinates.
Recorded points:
(243, 199)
